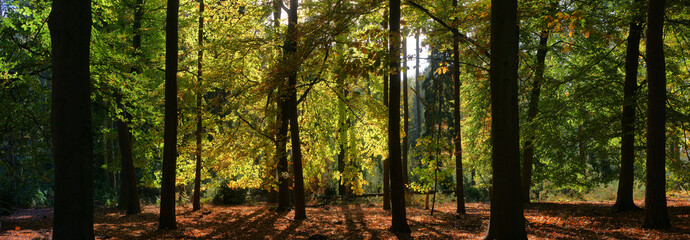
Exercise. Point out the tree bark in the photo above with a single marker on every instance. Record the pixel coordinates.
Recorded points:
(70, 32)
(406, 116)
(342, 137)
(533, 109)
(656, 212)
(196, 198)
(281, 152)
(459, 190)
(290, 52)
(386, 100)
(507, 218)
(624, 196)
(167, 207)
(417, 87)
(129, 196)
(398, 212)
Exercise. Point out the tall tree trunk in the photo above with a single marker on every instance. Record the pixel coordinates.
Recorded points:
(70, 34)
(656, 212)
(417, 87)
(624, 196)
(167, 207)
(106, 154)
(398, 212)
(436, 136)
(406, 117)
(281, 152)
(507, 218)
(533, 109)
(129, 196)
(459, 190)
(386, 100)
(272, 194)
(196, 199)
(342, 137)
(290, 52)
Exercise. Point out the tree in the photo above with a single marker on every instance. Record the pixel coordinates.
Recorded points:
(70, 32)
(624, 196)
(196, 202)
(167, 207)
(406, 116)
(533, 109)
(129, 196)
(386, 101)
(656, 212)
(290, 52)
(398, 212)
(507, 219)
(282, 122)
(457, 140)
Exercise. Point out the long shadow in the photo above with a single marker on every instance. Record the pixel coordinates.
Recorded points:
(243, 227)
(359, 215)
(600, 217)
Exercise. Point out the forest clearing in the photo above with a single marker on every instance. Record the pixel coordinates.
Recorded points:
(546, 220)
(345, 119)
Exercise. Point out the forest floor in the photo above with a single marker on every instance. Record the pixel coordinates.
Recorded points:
(546, 220)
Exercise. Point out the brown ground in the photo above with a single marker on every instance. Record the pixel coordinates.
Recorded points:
(575, 220)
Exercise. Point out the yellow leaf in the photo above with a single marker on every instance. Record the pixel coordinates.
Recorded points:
(587, 34)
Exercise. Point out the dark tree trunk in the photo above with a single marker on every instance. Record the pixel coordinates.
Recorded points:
(417, 87)
(342, 137)
(398, 212)
(196, 199)
(533, 108)
(275, 169)
(281, 152)
(129, 196)
(507, 218)
(459, 190)
(167, 208)
(386, 160)
(656, 212)
(624, 197)
(70, 34)
(290, 52)
(107, 158)
(406, 116)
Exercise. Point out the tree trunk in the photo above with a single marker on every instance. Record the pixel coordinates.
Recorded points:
(290, 52)
(129, 196)
(624, 196)
(196, 199)
(406, 116)
(398, 212)
(342, 137)
(417, 87)
(70, 32)
(167, 207)
(107, 159)
(272, 194)
(281, 152)
(533, 109)
(386, 160)
(459, 190)
(507, 218)
(656, 212)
